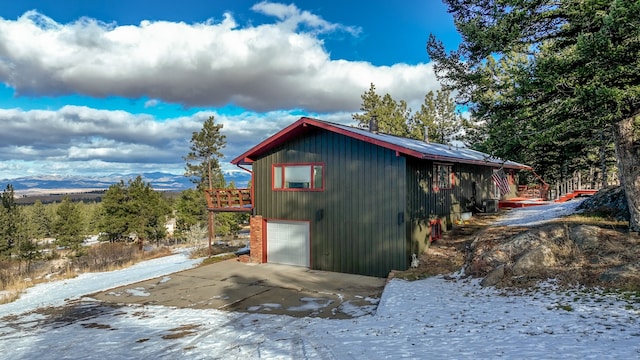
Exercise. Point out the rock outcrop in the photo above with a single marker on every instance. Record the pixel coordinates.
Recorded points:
(610, 202)
(585, 254)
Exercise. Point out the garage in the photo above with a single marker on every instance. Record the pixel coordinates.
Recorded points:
(288, 242)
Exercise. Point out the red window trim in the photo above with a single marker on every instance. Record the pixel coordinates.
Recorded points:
(310, 164)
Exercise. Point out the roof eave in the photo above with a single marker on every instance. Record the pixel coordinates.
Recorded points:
(474, 162)
(248, 157)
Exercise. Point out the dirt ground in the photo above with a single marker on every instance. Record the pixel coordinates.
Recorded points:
(448, 254)
(616, 249)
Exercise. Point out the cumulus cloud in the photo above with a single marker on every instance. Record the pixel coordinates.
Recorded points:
(279, 65)
(78, 139)
(292, 18)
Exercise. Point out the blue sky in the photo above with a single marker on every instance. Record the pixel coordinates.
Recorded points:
(101, 87)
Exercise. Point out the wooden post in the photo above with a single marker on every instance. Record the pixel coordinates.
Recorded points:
(579, 180)
(211, 229)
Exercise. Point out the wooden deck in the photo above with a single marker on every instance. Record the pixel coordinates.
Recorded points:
(520, 202)
(576, 193)
(229, 200)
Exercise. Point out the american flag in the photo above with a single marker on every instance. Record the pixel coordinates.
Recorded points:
(501, 181)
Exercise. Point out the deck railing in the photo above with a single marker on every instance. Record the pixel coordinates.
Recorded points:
(229, 200)
(577, 182)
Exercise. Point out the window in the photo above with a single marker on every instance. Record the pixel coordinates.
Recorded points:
(304, 177)
(442, 176)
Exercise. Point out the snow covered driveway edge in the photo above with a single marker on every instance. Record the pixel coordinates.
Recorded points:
(56, 293)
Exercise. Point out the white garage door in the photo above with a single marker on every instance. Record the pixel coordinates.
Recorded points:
(288, 242)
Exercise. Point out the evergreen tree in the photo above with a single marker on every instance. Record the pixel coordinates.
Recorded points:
(6, 240)
(149, 211)
(202, 164)
(191, 210)
(438, 117)
(89, 213)
(68, 226)
(391, 116)
(114, 213)
(40, 221)
(28, 252)
(579, 74)
(9, 219)
(134, 209)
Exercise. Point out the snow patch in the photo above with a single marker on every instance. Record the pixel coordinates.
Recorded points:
(139, 291)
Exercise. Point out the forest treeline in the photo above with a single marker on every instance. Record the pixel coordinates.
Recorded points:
(128, 212)
(551, 84)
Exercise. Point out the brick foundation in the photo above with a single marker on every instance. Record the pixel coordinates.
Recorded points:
(255, 225)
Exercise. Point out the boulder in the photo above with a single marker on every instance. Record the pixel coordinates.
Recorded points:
(586, 237)
(622, 274)
(534, 262)
(494, 277)
(610, 201)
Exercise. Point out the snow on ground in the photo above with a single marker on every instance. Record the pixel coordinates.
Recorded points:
(535, 215)
(56, 293)
(431, 318)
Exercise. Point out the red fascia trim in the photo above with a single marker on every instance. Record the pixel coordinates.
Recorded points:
(302, 125)
(396, 148)
(272, 141)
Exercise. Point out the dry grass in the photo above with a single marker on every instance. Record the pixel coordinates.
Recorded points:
(591, 218)
(616, 247)
(216, 249)
(216, 259)
(14, 279)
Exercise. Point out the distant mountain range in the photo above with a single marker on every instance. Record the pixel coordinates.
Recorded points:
(159, 181)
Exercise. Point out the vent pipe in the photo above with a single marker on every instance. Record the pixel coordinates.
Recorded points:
(426, 134)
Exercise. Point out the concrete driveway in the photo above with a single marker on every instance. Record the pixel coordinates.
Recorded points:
(258, 288)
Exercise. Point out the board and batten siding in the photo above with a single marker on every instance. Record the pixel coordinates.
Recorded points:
(424, 203)
(358, 223)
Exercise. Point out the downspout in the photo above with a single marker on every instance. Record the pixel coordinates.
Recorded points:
(252, 187)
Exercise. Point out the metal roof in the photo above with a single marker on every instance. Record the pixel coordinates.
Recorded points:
(408, 147)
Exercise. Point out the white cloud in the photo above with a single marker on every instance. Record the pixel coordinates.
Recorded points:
(80, 140)
(294, 17)
(282, 65)
(151, 103)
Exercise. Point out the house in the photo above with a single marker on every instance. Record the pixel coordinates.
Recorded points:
(344, 199)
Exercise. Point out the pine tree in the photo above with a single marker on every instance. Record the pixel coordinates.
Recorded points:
(391, 116)
(40, 221)
(191, 210)
(438, 117)
(68, 226)
(134, 209)
(202, 163)
(9, 219)
(114, 213)
(580, 74)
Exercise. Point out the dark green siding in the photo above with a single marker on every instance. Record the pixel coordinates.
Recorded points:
(425, 204)
(362, 229)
